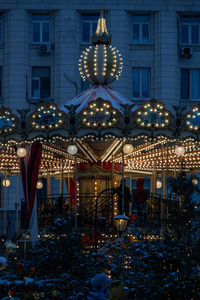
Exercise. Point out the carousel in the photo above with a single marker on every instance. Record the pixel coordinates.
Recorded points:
(96, 139)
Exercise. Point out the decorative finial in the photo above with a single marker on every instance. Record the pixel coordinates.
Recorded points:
(100, 63)
(101, 35)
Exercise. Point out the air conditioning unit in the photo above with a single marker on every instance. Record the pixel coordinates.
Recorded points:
(45, 49)
(186, 52)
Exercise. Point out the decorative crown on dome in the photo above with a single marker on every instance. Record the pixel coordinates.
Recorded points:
(100, 63)
(101, 35)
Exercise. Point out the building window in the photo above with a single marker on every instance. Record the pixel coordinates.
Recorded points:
(0, 82)
(190, 83)
(41, 28)
(190, 30)
(41, 88)
(141, 29)
(88, 27)
(141, 82)
(0, 28)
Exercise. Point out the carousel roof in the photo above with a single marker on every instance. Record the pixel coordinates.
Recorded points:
(98, 91)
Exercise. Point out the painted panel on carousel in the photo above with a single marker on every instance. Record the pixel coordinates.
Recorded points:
(47, 117)
(152, 115)
(7, 121)
(99, 114)
(193, 118)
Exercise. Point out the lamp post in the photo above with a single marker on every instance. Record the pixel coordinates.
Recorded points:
(6, 183)
(122, 180)
(127, 148)
(72, 150)
(121, 222)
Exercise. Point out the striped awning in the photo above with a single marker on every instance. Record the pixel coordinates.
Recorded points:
(98, 91)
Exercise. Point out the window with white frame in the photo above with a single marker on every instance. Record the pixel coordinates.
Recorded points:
(141, 83)
(190, 30)
(88, 26)
(141, 29)
(41, 29)
(41, 82)
(190, 84)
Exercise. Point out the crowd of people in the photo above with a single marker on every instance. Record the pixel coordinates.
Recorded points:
(136, 202)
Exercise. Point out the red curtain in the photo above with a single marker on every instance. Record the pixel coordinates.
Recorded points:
(71, 190)
(106, 165)
(29, 167)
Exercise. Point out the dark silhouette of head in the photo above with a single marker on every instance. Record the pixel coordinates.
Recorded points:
(122, 181)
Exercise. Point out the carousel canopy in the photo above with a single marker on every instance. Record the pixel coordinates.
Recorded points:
(98, 91)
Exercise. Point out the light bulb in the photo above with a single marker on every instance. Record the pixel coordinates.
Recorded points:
(72, 149)
(6, 182)
(128, 148)
(158, 184)
(21, 152)
(39, 185)
(179, 150)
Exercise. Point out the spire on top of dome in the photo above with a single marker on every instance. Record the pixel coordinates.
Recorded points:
(101, 35)
(100, 63)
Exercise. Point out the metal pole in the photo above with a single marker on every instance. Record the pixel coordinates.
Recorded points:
(112, 183)
(112, 186)
(76, 224)
(167, 170)
(17, 204)
(162, 196)
(62, 179)
(95, 225)
(122, 180)
(5, 230)
(167, 186)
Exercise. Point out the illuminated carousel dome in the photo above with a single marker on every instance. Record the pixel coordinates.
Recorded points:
(100, 63)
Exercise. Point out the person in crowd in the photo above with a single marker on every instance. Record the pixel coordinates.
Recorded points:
(100, 284)
(140, 197)
(127, 198)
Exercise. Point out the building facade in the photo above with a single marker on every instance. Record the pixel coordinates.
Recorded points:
(41, 41)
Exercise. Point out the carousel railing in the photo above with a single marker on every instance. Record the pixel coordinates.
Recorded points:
(92, 211)
(63, 206)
